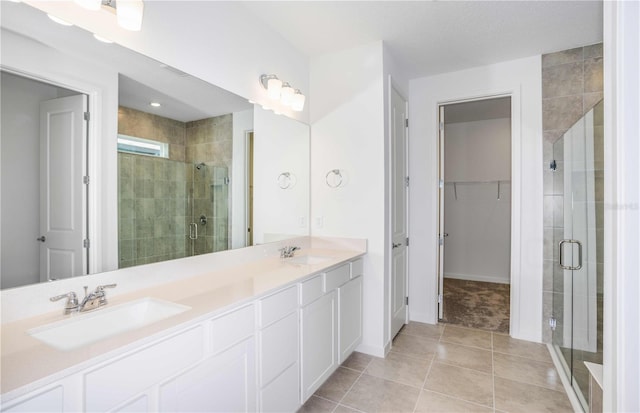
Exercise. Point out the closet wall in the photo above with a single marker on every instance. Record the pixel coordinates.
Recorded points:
(478, 200)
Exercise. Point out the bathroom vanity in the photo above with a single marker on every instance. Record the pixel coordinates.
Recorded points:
(258, 336)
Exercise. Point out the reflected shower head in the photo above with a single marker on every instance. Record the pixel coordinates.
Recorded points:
(200, 165)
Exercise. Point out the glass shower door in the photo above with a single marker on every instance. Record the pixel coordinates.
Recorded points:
(577, 273)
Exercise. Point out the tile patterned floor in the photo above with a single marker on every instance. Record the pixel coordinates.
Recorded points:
(445, 368)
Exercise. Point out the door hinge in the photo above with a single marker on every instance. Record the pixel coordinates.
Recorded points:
(406, 123)
(439, 298)
(87, 116)
(406, 300)
(440, 240)
(85, 179)
(86, 243)
(552, 323)
(441, 183)
(406, 181)
(441, 125)
(407, 242)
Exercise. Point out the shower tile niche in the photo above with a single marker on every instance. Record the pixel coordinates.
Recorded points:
(161, 199)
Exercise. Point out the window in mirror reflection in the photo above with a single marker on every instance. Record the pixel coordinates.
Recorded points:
(139, 146)
(177, 206)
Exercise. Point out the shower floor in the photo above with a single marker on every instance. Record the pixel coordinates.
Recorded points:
(477, 304)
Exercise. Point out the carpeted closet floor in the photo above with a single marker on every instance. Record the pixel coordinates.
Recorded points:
(477, 304)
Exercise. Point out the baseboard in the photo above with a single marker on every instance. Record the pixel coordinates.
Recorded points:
(376, 351)
(474, 277)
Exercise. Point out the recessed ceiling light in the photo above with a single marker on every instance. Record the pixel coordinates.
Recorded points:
(59, 20)
(102, 39)
(155, 104)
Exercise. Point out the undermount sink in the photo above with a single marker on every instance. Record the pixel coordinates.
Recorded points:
(82, 329)
(307, 259)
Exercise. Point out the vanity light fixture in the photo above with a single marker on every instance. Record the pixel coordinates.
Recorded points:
(128, 12)
(282, 91)
(89, 4)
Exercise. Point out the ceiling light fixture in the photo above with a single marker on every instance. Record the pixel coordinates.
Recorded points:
(283, 91)
(155, 104)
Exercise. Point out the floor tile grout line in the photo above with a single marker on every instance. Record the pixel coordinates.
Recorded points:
(424, 382)
(493, 375)
(529, 383)
(449, 396)
(352, 384)
(488, 373)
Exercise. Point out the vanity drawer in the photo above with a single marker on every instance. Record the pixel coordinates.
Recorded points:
(278, 305)
(336, 277)
(112, 384)
(232, 328)
(357, 268)
(312, 289)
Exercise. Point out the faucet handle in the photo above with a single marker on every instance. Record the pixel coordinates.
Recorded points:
(102, 295)
(102, 287)
(72, 301)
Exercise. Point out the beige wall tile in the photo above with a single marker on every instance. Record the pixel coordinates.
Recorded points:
(563, 80)
(562, 57)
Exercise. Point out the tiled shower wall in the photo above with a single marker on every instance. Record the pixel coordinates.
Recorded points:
(572, 83)
(159, 198)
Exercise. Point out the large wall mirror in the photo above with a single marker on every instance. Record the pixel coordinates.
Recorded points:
(134, 182)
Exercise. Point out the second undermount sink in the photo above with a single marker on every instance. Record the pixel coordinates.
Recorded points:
(82, 329)
(308, 259)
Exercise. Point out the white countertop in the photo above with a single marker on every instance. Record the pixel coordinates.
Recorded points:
(26, 360)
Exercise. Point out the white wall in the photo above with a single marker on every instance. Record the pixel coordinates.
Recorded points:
(242, 123)
(277, 144)
(347, 133)
(622, 207)
(20, 174)
(478, 223)
(522, 80)
(26, 56)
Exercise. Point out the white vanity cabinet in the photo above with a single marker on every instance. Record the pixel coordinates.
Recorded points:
(269, 354)
(278, 376)
(331, 324)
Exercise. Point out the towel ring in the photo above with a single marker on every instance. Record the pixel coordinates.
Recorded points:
(336, 178)
(285, 180)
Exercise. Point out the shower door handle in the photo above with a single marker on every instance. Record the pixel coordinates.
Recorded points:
(561, 253)
(193, 230)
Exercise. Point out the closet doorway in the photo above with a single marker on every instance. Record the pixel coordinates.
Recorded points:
(475, 213)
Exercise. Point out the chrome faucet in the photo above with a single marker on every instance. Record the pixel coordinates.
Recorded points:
(287, 252)
(91, 301)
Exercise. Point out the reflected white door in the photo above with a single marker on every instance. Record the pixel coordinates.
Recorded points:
(399, 194)
(441, 233)
(63, 134)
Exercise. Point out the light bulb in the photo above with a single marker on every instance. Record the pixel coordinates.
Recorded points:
(89, 4)
(129, 14)
(286, 94)
(274, 86)
(297, 102)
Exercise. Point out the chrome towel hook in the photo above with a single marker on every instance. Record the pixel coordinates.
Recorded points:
(286, 180)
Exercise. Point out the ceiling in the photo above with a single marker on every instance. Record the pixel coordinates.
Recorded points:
(430, 37)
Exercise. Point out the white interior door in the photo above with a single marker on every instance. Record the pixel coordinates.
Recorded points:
(441, 233)
(399, 195)
(63, 134)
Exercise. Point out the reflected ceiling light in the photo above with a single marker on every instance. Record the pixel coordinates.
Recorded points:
(284, 92)
(102, 39)
(129, 13)
(59, 20)
(89, 4)
(297, 101)
(155, 104)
